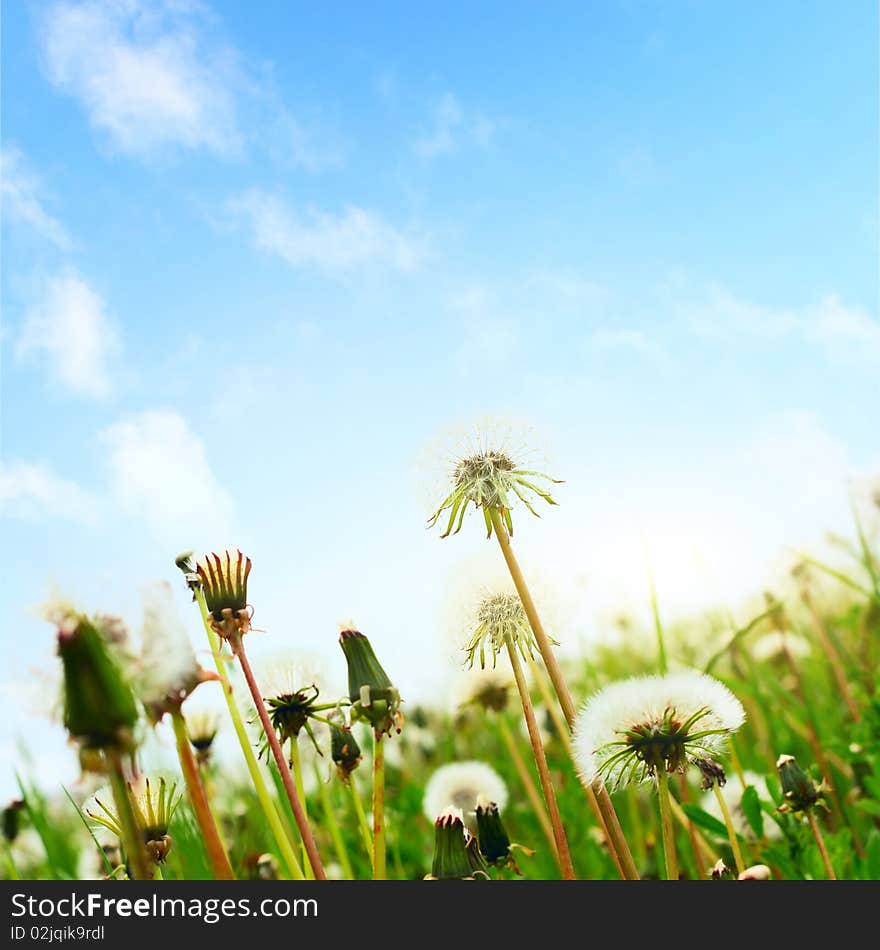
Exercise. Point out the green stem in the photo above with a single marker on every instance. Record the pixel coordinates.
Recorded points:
(275, 824)
(671, 858)
(378, 807)
(139, 864)
(301, 791)
(366, 834)
(199, 799)
(731, 832)
(597, 794)
(820, 841)
(562, 853)
(333, 825)
(283, 768)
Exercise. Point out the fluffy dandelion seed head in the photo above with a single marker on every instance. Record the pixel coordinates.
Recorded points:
(492, 468)
(224, 579)
(167, 671)
(629, 729)
(463, 785)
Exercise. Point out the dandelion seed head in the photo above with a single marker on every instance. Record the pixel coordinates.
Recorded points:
(491, 465)
(489, 688)
(623, 732)
(461, 785)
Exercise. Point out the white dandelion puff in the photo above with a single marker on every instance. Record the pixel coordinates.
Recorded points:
(462, 785)
(626, 731)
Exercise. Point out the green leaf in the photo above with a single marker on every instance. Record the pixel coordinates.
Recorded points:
(751, 806)
(704, 820)
(774, 788)
(872, 855)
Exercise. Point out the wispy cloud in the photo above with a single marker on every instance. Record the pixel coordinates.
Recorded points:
(450, 127)
(72, 328)
(144, 72)
(23, 196)
(333, 242)
(844, 333)
(33, 490)
(160, 471)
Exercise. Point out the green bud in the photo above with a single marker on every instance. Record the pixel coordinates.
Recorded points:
(99, 706)
(344, 750)
(799, 791)
(451, 860)
(12, 820)
(371, 692)
(494, 842)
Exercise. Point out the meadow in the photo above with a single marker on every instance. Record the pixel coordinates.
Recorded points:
(695, 749)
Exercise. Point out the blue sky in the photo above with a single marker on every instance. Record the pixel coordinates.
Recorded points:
(257, 258)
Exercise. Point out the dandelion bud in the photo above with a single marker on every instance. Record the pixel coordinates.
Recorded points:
(99, 706)
(712, 772)
(344, 751)
(451, 861)
(799, 791)
(479, 868)
(267, 867)
(757, 872)
(224, 580)
(12, 819)
(494, 842)
(721, 872)
(371, 692)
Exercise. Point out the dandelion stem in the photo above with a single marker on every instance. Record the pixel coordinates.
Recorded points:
(302, 823)
(563, 855)
(820, 841)
(669, 854)
(366, 834)
(300, 790)
(731, 831)
(199, 799)
(139, 865)
(378, 807)
(333, 826)
(565, 736)
(528, 782)
(598, 795)
(266, 803)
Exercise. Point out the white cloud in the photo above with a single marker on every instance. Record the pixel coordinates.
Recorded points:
(70, 324)
(22, 195)
(32, 490)
(450, 126)
(159, 470)
(845, 334)
(143, 73)
(334, 242)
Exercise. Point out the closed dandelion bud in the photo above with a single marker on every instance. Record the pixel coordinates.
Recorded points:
(721, 872)
(373, 695)
(494, 842)
(224, 580)
(757, 872)
(479, 868)
(799, 791)
(12, 820)
(99, 706)
(344, 750)
(451, 860)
